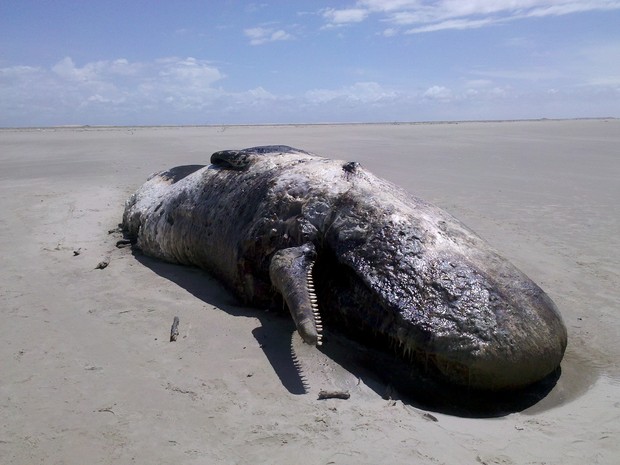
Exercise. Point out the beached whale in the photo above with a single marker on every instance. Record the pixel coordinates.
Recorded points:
(339, 244)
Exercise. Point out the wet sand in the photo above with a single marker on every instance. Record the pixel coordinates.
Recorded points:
(88, 374)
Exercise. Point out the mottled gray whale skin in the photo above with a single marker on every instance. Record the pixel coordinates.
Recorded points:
(337, 243)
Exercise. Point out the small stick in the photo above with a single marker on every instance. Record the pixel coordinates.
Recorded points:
(174, 331)
(102, 264)
(334, 395)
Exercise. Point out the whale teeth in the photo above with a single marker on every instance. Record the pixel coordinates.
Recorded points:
(290, 272)
(318, 324)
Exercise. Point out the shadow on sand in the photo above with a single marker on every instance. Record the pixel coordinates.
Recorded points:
(382, 371)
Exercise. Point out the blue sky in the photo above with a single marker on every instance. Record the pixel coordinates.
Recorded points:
(233, 62)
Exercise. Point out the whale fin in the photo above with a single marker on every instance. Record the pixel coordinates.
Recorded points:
(239, 160)
(267, 149)
(291, 274)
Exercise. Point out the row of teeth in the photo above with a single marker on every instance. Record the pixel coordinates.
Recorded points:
(407, 350)
(298, 367)
(315, 306)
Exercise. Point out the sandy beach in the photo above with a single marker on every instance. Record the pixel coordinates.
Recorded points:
(88, 374)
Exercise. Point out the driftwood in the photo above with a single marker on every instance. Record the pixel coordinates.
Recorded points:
(174, 331)
(334, 395)
(102, 264)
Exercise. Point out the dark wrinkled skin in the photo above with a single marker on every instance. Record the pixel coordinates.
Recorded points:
(388, 265)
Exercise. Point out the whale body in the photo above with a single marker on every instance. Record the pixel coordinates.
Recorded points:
(343, 247)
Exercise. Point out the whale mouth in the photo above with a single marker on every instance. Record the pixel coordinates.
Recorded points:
(291, 273)
(507, 357)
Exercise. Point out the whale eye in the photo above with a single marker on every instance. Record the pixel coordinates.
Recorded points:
(351, 167)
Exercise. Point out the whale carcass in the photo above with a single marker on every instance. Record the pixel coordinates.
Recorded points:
(346, 248)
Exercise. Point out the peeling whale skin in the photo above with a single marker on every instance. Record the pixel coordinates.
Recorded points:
(346, 248)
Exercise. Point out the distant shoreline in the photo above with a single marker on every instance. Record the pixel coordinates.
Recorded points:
(270, 125)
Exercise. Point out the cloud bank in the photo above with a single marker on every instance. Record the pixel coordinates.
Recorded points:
(417, 16)
(262, 35)
(104, 90)
(188, 90)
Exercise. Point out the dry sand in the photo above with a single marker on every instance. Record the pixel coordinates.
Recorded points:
(87, 373)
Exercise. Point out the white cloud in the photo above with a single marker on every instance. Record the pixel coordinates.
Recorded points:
(254, 7)
(390, 32)
(18, 73)
(65, 68)
(389, 5)
(340, 17)
(499, 92)
(428, 16)
(438, 93)
(559, 8)
(453, 24)
(362, 92)
(67, 92)
(259, 94)
(191, 91)
(262, 35)
(188, 72)
(123, 67)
